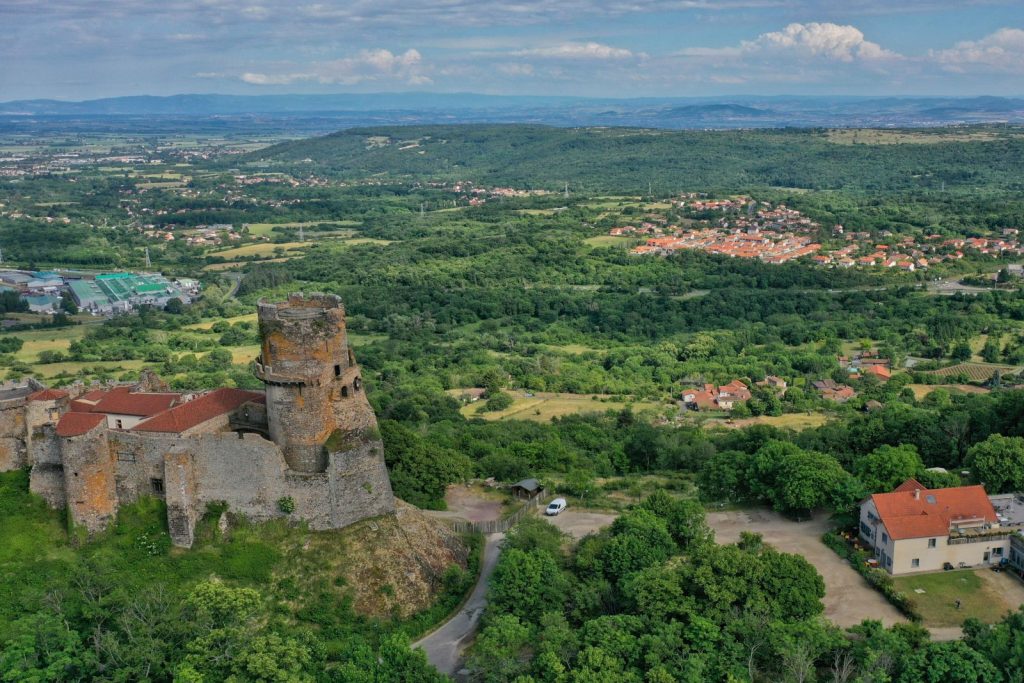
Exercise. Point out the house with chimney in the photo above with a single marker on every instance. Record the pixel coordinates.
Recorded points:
(917, 529)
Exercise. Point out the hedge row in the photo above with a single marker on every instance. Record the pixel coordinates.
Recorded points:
(879, 579)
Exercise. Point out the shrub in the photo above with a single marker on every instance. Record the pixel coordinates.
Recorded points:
(879, 579)
(286, 504)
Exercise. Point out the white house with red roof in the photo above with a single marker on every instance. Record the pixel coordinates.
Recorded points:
(916, 529)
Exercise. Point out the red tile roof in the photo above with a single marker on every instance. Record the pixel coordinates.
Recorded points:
(80, 406)
(93, 396)
(123, 401)
(48, 395)
(199, 410)
(907, 514)
(76, 424)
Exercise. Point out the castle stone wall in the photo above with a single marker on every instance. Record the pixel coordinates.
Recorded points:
(89, 478)
(13, 450)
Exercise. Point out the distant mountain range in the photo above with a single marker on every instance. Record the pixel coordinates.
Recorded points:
(313, 113)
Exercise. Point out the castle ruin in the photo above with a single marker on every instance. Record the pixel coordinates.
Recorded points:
(310, 437)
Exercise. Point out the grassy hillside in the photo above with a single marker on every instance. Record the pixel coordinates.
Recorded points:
(622, 159)
(332, 590)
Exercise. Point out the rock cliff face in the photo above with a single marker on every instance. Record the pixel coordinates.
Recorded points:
(389, 565)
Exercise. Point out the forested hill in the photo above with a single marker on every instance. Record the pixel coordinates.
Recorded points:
(623, 159)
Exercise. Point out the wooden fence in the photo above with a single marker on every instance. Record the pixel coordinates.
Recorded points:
(498, 526)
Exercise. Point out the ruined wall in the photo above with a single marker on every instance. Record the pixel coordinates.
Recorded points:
(13, 450)
(46, 478)
(89, 478)
(360, 486)
(140, 463)
(183, 506)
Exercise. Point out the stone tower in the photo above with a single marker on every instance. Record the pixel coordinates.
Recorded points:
(315, 401)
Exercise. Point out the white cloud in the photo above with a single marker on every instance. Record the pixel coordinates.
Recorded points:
(582, 51)
(516, 69)
(843, 43)
(367, 65)
(273, 79)
(1003, 50)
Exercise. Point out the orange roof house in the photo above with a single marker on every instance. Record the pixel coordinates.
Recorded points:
(913, 511)
(916, 529)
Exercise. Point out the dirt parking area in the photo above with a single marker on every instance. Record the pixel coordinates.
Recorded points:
(848, 598)
(472, 503)
(579, 523)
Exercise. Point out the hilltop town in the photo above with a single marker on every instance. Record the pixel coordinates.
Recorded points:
(777, 234)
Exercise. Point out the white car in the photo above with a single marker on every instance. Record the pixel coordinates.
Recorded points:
(555, 507)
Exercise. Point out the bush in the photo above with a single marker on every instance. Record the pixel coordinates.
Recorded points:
(286, 505)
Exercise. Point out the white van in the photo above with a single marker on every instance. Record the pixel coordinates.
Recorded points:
(555, 507)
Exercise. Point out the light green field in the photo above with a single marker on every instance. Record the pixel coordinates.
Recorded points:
(543, 406)
(905, 137)
(46, 340)
(74, 367)
(795, 421)
(207, 324)
(261, 229)
(261, 249)
(922, 390)
(978, 592)
(572, 348)
(610, 241)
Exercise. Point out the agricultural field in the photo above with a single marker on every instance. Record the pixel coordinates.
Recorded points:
(259, 250)
(610, 241)
(543, 406)
(975, 372)
(794, 421)
(922, 390)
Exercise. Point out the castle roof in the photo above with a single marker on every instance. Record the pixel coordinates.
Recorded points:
(912, 511)
(123, 401)
(48, 395)
(197, 411)
(76, 424)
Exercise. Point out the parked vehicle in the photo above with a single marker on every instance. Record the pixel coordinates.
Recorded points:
(947, 566)
(555, 507)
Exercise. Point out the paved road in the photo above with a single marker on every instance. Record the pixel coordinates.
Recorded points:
(444, 646)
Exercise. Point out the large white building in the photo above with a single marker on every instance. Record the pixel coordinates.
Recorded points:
(915, 529)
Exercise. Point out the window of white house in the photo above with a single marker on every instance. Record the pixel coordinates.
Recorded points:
(885, 537)
(931, 542)
(119, 424)
(915, 563)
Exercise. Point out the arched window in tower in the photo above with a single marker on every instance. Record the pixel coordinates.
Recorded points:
(357, 383)
(344, 392)
(337, 371)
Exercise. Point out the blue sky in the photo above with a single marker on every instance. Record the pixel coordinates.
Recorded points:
(80, 49)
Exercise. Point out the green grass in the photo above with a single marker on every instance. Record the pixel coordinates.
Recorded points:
(937, 604)
(610, 241)
(543, 407)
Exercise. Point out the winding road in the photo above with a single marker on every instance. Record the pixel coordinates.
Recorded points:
(444, 646)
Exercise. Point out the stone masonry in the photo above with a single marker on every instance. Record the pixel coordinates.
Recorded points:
(311, 436)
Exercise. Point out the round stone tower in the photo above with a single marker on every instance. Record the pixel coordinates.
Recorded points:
(304, 362)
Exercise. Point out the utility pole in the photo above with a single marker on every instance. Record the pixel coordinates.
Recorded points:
(1, 255)
(149, 264)
(302, 234)
(422, 205)
(567, 190)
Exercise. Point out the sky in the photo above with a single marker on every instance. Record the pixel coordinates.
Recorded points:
(85, 49)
